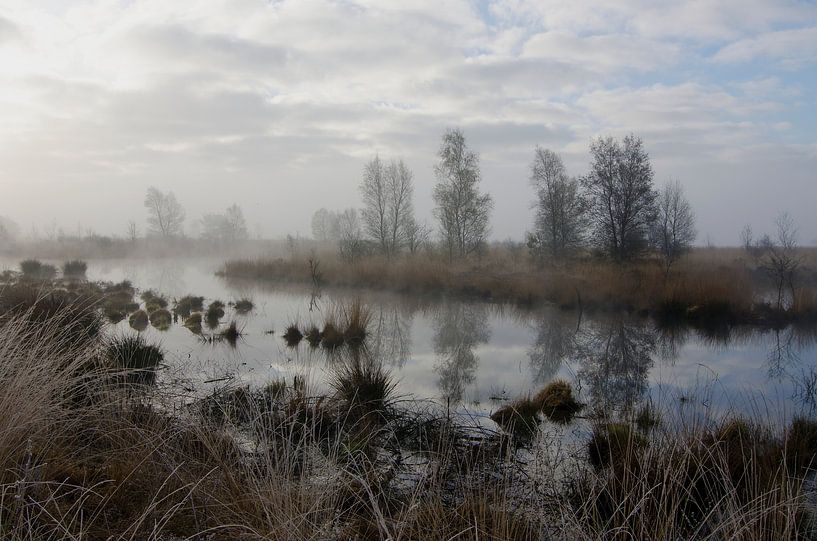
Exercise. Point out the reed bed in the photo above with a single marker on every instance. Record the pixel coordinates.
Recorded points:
(708, 283)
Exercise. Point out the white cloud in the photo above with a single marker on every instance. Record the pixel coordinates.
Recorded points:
(279, 103)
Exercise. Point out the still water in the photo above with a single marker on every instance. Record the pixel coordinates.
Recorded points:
(474, 355)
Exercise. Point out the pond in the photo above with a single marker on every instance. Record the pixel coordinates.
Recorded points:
(474, 356)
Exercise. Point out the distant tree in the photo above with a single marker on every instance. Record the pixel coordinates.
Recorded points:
(9, 230)
(165, 214)
(560, 223)
(132, 231)
(463, 212)
(227, 227)
(400, 185)
(417, 234)
(351, 242)
(780, 257)
(236, 224)
(621, 196)
(673, 231)
(322, 222)
(375, 213)
(387, 206)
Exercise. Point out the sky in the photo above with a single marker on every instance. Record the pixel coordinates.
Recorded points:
(277, 104)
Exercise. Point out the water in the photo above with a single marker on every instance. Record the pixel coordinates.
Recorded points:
(476, 356)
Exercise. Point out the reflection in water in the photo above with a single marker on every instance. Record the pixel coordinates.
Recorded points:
(390, 334)
(615, 359)
(554, 344)
(460, 328)
(670, 340)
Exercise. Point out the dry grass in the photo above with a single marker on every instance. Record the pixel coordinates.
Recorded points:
(709, 283)
(80, 459)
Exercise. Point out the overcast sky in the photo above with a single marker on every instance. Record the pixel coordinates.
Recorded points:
(276, 105)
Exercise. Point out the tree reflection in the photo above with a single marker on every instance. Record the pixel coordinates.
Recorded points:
(554, 344)
(390, 336)
(615, 359)
(460, 328)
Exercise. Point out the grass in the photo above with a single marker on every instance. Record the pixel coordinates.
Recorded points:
(231, 334)
(83, 459)
(707, 285)
(187, 305)
(293, 335)
(74, 268)
(139, 320)
(520, 417)
(362, 383)
(313, 336)
(133, 352)
(557, 402)
(161, 319)
(244, 306)
(193, 323)
(356, 322)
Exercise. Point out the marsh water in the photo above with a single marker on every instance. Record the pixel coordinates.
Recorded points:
(474, 356)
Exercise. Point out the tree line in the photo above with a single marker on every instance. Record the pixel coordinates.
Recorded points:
(615, 209)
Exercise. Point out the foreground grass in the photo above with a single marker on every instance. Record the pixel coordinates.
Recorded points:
(87, 454)
(709, 285)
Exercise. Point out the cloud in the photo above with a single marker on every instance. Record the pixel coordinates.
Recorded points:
(793, 47)
(277, 104)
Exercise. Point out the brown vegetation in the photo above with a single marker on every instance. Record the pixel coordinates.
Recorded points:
(709, 284)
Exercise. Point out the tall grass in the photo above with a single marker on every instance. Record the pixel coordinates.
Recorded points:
(708, 283)
(80, 459)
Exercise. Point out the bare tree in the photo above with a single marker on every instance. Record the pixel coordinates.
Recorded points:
(351, 241)
(463, 212)
(227, 227)
(165, 214)
(8, 229)
(780, 257)
(322, 222)
(132, 231)
(621, 197)
(417, 234)
(560, 209)
(375, 212)
(399, 180)
(673, 231)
